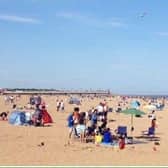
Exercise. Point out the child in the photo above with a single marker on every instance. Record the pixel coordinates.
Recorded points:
(3, 116)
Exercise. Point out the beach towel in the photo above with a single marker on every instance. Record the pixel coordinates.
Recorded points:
(114, 144)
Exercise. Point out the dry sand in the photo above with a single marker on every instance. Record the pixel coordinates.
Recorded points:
(19, 144)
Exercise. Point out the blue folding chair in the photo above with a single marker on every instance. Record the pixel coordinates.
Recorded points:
(151, 131)
(122, 130)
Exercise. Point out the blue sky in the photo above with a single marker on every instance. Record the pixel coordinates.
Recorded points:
(112, 44)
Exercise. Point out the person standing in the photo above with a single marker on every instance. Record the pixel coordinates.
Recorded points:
(58, 105)
(62, 105)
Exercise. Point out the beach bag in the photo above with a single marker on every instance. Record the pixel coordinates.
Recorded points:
(122, 143)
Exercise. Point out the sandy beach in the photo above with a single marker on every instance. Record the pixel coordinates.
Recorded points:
(20, 144)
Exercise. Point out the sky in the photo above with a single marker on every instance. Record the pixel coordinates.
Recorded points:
(119, 45)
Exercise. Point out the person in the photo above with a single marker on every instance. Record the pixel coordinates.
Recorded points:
(38, 100)
(152, 116)
(100, 110)
(11, 99)
(119, 109)
(91, 130)
(32, 100)
(153, 123)
(102, 127)
(76, 115)
(81, 128)
(73, 120)
(105, 110)
(58, 105)
(94, 117)
(6, 99)
(62, 105)
(28, 106)
(37, 116)
(4, 115)
(70, 124)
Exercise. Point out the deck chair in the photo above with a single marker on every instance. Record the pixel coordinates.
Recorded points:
(122, 130)
(151, 131)
(150, 134)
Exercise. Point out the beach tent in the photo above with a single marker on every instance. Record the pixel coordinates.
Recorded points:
(17, 118)
(150, 107)
(74, 101)
(135, 104)
(159, 107)
(28, 117)
(46, 117)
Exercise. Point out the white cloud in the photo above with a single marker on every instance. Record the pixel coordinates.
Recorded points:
(68, 15)
(18, 19)
(114, 23)
(90, 20)
(162, 33)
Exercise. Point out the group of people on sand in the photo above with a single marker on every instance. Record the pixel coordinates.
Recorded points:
(41, 116)
(10, 99)
(36, 114)
(92, 125)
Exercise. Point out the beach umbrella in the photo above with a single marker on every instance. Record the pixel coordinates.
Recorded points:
(132, 112)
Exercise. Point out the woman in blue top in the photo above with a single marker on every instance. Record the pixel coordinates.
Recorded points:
(70, 124)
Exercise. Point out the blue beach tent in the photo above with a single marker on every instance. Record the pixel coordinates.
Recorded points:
(135, 104)
(17, 118)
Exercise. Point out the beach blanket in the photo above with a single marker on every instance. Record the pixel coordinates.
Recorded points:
(114, 144)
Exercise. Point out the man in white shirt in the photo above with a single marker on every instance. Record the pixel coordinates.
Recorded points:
(99, 108)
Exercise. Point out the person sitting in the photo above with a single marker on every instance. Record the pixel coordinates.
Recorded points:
(37, 116)
(151, 130)
(107, 137)
(4, 115)
(91, 130)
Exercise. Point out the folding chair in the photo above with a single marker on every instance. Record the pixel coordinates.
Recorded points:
(151, 131)
(122, 130)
